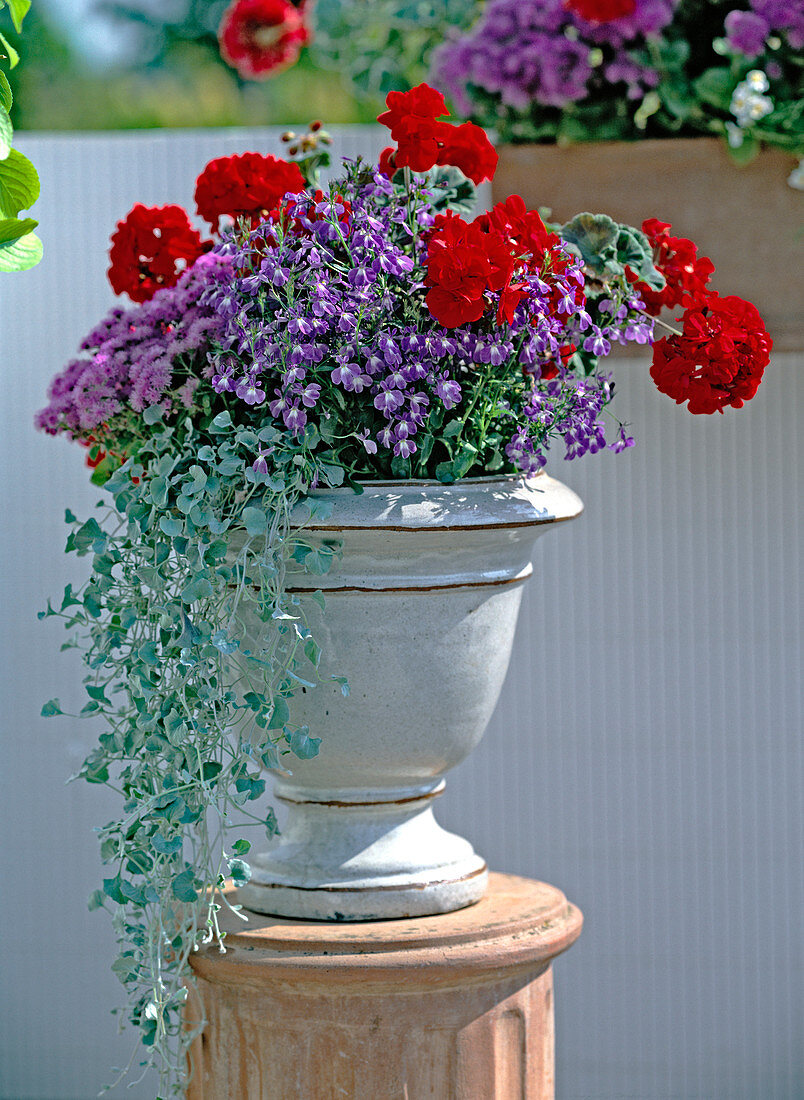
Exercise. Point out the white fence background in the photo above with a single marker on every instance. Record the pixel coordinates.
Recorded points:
(646, 756)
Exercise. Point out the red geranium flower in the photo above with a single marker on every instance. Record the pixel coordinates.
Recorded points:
(260, 38)
(523, 227)
(151, 247)
(248, 186)
(719, 358)
(420, 102)
(387, 162)
(686, 273)
(468, 148)
(458, 271)
(424, 141)
(601, 11)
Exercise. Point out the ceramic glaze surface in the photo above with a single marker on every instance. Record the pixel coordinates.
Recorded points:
(421, 607)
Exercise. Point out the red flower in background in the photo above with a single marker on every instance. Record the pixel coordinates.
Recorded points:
(719, 358)
(260, 38)
(601, 11)
(151, 247)
(686, 273)
(249, 186)
(423, 140)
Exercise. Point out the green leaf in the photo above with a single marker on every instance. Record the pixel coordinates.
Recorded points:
(18, 10)
(222, 423)
(715, 86)
(9, 51)
(51, 708)
(220, 639)
(240, 871)
(241, 847)
(183, 887)
(95, 900)
(21, 255)
(148, 654)
(199, 588)
(125, 967)
(594, 236)
(170, 526)
(279, 715)
(153, 414)
(166, 847)
(444, 473)
(19, 184)
(6, 97)
(312, 651)
(255, 521)
(111, 888)
(463, 461)
(304, 746)
(6, 133)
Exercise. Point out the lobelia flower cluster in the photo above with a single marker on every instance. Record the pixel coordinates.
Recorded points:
(546, 70)
(321, 336)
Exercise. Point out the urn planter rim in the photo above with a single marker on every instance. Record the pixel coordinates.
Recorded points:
(418, 505)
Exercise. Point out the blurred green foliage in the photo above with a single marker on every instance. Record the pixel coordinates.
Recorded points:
(173, 78)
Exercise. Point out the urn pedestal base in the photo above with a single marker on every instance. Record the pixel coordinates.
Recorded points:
(455, 1007)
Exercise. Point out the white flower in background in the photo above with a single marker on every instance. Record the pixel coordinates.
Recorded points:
(735, 135)
(796, 177)
(748, 104)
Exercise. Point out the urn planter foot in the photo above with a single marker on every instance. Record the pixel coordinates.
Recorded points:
(347, 856)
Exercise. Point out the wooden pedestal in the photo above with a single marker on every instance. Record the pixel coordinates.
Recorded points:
(450, 1007)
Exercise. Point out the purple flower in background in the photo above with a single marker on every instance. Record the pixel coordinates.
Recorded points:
(746, 32)
(538, 52)
(783, 15)
(138, 355)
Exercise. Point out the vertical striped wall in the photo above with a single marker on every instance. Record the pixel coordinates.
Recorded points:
(646, 755)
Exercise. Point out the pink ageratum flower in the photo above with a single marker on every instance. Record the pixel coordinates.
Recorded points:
(260, 38)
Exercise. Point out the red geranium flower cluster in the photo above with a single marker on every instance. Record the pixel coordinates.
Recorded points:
(601, 11)
(719, 358)
(260, 38)
(686, 273)
(720, 355)
(249, 186)
(465, 260)
(423, 140)
(151, 247)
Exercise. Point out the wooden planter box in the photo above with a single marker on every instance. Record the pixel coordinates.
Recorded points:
(748, 220)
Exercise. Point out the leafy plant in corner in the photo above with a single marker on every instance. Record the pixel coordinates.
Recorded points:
(20, 248)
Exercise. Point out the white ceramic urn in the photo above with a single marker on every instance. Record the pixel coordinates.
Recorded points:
(421, 607)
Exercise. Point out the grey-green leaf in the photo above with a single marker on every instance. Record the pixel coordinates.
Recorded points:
(255, 520)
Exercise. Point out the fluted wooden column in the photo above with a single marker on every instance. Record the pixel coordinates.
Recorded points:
(451, 1007)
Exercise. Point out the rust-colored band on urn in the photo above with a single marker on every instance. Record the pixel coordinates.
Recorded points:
(456, 1006)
